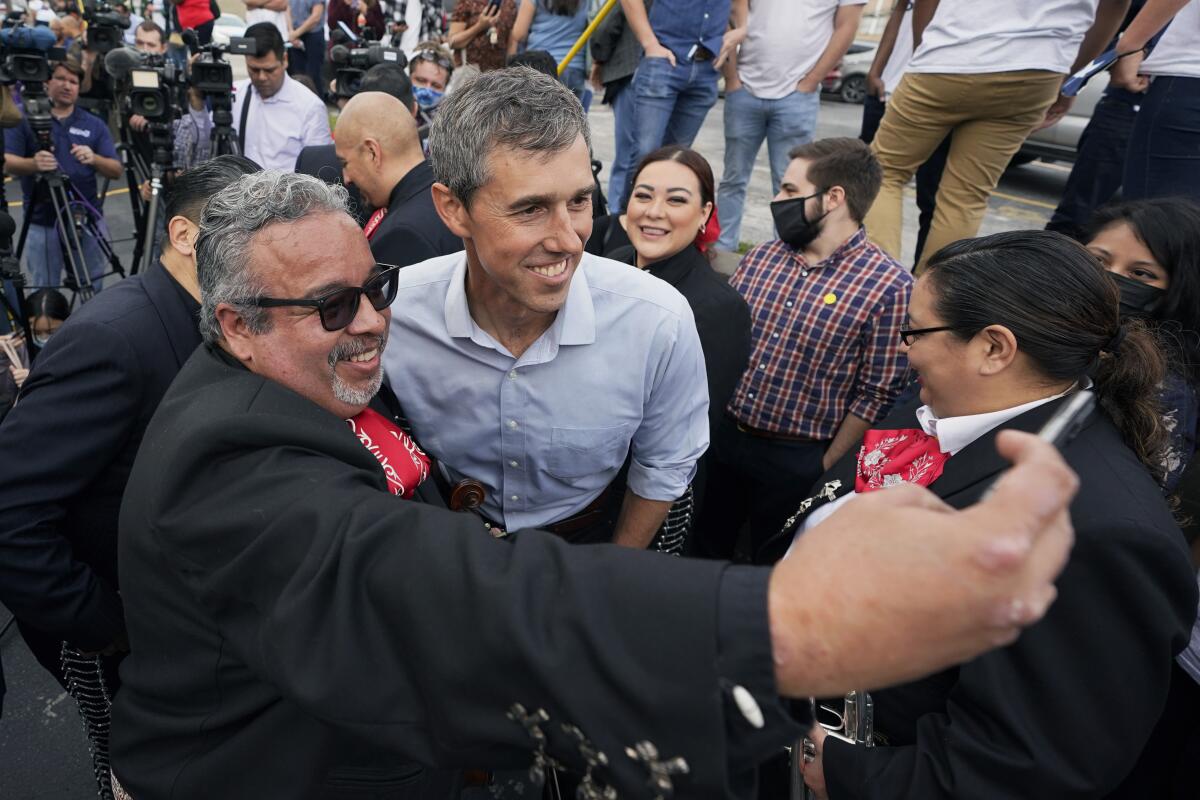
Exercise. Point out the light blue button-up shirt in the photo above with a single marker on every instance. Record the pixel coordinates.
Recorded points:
(619, 369)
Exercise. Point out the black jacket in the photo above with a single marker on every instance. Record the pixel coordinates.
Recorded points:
(412, 231)
(282, 606)
(320, 161)
(69, 445)
(1065, 711)
(722, 318)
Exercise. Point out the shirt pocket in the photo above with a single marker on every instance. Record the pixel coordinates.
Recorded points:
(580, 452)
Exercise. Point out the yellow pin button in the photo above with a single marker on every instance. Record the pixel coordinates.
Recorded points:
(830, 299)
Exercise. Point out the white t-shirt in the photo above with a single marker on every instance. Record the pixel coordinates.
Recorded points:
(973, 37)
(278, 128)
(902, 52)
(276, 18)
(784, 39)
(1178, 51)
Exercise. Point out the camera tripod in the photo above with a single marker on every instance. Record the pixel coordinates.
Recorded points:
(224, 140)
(162, 160)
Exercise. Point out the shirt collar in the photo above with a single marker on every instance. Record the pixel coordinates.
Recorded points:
(575, 323)
(844, 254)
(955, 433)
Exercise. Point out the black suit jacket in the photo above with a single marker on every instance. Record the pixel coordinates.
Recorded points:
(282, 606)
(412, 231)
(1063, 712)
(320, 161)
(69, 445)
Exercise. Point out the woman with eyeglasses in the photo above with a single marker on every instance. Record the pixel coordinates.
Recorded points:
(1002, 330)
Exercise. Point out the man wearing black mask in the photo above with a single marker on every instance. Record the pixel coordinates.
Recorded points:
(827, 308)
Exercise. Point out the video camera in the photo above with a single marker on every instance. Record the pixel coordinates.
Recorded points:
(211, 73)
(151, 82)
(106, 27)
(26, 53)
(352, 63)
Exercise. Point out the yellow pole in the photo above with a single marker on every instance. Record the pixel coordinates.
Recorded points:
(587, 34)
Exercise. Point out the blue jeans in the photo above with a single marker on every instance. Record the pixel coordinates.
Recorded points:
(44, 258)
(624, 161)
(1097, 173)
(1164, 150)
(671, 101)
(785, 123)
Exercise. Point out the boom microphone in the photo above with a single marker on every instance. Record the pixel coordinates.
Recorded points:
(120, 61)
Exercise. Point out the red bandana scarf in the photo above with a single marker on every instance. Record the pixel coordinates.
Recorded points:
(888, 458)
(373, 222)
(403, 462)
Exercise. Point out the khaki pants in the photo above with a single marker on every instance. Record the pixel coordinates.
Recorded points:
(989, 114)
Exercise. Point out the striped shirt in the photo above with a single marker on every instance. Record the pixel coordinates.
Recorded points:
(826, 337)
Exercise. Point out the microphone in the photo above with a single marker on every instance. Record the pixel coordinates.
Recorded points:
(339, 54)
(192, 40)
(121, 61)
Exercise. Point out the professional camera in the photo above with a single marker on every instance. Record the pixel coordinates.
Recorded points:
(106, 27)
(151, 82)
(211, 73)
(352, 63)
(27, 52)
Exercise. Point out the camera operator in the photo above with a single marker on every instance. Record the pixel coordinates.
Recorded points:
(83, 147)
(192, 131)
(275, 117)
(71, 439)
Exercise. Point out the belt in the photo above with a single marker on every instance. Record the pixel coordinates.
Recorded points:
(759, 433)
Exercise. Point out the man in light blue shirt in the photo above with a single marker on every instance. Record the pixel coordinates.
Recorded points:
(523, 363)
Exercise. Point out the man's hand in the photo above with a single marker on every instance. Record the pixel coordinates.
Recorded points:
(809, 83)
(595, 77)
(656, 50)
(137, 122)
(1057, 110)
(83, 154)
(814, 771)
(45, 161)
(875, 87)
(896, 585)
(1125, 72)
(729, 45)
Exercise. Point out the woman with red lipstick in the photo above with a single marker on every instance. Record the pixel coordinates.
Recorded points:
(1000, 330)
(670, 210)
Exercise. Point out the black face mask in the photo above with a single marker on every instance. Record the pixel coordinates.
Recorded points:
(1138, 299)
(793, 225)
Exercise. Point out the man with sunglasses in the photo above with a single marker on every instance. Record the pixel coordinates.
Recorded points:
(285, 609)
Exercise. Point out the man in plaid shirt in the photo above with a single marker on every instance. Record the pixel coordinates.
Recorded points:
(827, 307)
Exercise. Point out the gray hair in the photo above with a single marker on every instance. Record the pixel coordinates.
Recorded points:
(516, 107)
(228, 224)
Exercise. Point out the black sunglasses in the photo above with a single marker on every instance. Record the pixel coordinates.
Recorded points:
(436, 57)
(338, 308)
(906, 334)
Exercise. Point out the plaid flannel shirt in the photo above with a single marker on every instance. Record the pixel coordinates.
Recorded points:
(826, 337)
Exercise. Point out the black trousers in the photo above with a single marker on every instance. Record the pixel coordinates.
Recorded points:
(1096, 177)
(752, 480)
(929, 176)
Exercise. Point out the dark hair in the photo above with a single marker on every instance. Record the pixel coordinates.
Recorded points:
(389, 79)
(1063, 310)
(689, 158)
(192, 188)
(1170, 229)
(562, 8)
(844, 162)
(267, 39)
(150, 26)
(48, 303)
(541, 60)
(70, 65)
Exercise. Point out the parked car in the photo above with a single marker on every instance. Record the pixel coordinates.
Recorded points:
(228, 26)
(848, 81)
(1060, 141)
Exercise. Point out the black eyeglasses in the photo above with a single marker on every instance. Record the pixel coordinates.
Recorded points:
(906, 334)
(339, 307)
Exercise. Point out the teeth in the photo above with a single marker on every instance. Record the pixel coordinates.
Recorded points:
(552, 270)
(654, 231)
(367, 356)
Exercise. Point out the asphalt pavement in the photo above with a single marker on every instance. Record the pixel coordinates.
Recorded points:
(43, 751)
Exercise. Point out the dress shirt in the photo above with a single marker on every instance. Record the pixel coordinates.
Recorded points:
(680, 24)
(619, 369)
(826, 337)
(279, 127)
(952, 433)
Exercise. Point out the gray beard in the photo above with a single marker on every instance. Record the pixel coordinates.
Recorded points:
(357, 397)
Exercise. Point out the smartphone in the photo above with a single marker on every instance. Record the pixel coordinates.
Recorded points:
(494, 3)
(1063, 426)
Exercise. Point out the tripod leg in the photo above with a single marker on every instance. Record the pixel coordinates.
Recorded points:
(76, 261)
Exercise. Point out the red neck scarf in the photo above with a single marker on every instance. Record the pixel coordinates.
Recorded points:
(888, 458)
(403, 462)
(373, 222)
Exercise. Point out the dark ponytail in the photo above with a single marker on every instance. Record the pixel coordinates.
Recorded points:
(1064, 312)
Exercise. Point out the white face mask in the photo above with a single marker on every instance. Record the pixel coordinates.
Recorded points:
(40, 341)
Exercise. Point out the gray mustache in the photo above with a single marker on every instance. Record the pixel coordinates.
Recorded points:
(354, 347)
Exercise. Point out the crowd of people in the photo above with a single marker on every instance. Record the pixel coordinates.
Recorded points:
(370, 484)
